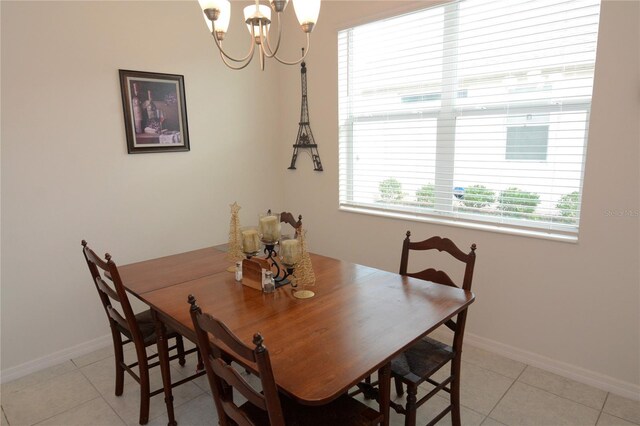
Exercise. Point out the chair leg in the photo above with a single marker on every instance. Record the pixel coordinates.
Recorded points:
(145, 391)
(399, 388)
(455, 392)
(180, 347)
(410, 416)
(200, 365)
(119, 356)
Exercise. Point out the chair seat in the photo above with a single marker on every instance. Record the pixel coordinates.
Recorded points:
(345, 411)
(421, 360)
(147, 327)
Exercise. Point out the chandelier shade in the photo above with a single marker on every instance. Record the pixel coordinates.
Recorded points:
(307, 12)
(253, 16)
(257, 17)
(224, 17)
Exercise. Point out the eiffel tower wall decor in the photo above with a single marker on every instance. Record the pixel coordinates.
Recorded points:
(305, 139)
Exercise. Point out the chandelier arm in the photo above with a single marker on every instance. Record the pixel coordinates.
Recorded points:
(261, 53)
(268, 51)
(306, 52)
(222, 52)
(232, 66)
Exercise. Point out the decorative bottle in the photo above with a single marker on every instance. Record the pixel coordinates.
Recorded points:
(239, 271)
(137, 110)
(151, 108)
(268, 285)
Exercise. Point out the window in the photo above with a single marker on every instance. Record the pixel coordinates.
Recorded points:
(472, 112)
(527, 143)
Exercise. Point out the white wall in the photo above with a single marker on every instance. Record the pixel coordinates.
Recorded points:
(571, 307)
(66, 174)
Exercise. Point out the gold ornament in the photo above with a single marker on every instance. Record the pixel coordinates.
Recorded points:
(304, 275)
(234, 248)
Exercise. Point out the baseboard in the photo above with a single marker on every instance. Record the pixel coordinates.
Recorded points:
(18, 371)
(579, 374)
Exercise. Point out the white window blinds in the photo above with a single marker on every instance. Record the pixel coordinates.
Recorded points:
(473, 112)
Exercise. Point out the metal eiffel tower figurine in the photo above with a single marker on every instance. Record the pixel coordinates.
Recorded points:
(305, 139)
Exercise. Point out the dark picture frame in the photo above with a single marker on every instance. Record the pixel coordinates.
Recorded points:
(155, 112)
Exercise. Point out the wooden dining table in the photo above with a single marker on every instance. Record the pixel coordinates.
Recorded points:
(359, 319)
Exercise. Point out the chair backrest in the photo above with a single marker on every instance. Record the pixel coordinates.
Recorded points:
(286, 217)
(118, 321)
(219, 346)
(441, 277)
(431, 274)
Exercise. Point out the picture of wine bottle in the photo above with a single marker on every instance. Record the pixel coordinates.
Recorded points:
(137, 110)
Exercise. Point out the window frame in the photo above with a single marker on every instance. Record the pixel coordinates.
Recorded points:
(446, 116)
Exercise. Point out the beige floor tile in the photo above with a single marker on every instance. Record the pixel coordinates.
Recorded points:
(566, 388)
(480, 389)
(199, 411)
(127, 406)
(189, 369)
(38, 377)
(188, 344)
(623, 408)
(526, 405)
(609, 420)
(4, 421)
(436, 404)
(94, 356)
(47, 399)
(494, 362)
(491, 422)
(94, 412)
(427, 411)
(102, 374)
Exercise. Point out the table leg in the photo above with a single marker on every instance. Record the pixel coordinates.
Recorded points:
(384, 385)
(165, 370)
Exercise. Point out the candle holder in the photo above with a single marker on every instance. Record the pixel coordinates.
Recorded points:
(281, 273)
(250, 255)
(251, 243)
(269, 227)
(289, 254)
(281, 253)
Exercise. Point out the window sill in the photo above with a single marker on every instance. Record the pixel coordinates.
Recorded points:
(461, 223)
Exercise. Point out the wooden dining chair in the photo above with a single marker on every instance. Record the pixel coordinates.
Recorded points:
(286, 217)
(138, 329)
(219, 347)
(421, 361)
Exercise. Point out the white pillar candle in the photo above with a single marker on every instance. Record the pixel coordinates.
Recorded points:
(289, 251)
(250, 241)
(270, 228)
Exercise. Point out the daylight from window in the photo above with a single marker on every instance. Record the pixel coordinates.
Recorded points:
(472, 111)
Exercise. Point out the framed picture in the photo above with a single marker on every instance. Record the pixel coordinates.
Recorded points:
(155, 112)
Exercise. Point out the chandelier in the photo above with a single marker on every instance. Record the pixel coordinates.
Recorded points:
(217, 14)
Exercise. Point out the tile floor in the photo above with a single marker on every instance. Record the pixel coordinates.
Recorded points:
(495, 391)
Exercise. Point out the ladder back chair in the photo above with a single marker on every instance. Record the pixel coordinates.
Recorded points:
(219, 347)
(138, 329)
(418, 363)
